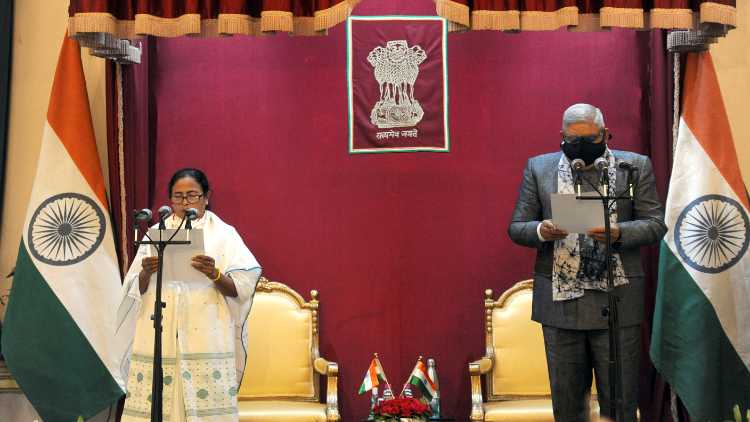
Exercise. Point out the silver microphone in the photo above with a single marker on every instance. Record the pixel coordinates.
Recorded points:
(601, 163)
(164, 212)
(190, 215)
(142, 215)
(577, 166)
(632, 170)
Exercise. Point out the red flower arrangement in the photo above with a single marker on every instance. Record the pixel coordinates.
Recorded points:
(395, 409)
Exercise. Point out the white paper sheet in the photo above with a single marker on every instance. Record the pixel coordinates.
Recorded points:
(576, 215)
(177, 258)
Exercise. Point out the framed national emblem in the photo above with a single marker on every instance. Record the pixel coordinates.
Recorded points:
(397, 81)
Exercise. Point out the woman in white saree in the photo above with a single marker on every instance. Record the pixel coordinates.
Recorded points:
(204, 338)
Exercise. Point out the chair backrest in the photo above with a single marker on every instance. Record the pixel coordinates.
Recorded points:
(517, 344)
(282, 345)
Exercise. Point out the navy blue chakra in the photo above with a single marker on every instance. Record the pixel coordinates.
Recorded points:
(711, 233)
(66, 229)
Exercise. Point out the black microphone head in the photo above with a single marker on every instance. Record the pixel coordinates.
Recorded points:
(625, 165)
(143, 215)
(191, 213)
(601, 163)
(164, 211)
(577, 164)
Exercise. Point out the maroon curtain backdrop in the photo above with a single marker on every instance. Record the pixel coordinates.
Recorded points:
(401, 247)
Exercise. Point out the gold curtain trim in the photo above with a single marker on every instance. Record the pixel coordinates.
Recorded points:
(549, 21)
(209, 29)
(327, 18)
(231, 24)
(237, 24)
(276, 20)
(100, 22)
(92, 22)
(672, 18)
(167, 27)
(226, 24)
(719, 13)
(305, 26)
(588, 22)
(621, 17)
(126, 29)
(506, 20)
(456, 13)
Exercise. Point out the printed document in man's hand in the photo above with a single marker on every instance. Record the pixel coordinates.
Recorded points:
(576, 215)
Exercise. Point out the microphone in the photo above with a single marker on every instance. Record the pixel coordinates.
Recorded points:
(190, 215)
(139, 216)
(142, 215)
(577, 166)
(164, 212)
(602, 165)
(625, 165)
(631, 169)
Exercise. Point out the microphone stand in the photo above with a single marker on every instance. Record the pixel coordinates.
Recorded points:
(157, 385)
(611, 310)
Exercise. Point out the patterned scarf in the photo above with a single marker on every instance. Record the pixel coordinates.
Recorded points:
(579, 261)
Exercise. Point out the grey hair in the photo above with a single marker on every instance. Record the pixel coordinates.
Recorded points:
(578, 113)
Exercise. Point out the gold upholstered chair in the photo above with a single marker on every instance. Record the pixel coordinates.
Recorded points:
(515, 366)
(281, 380)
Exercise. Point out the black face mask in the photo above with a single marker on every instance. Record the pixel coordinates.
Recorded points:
(586, 151)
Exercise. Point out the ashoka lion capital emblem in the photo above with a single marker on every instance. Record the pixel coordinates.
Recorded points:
(396, 70)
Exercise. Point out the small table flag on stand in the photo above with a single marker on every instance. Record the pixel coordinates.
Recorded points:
(419, 378)
(373, 376)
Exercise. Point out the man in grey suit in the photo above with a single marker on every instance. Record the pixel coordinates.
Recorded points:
(570, 281)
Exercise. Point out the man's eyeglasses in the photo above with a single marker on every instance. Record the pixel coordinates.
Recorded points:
(573, 139)
(191, 198)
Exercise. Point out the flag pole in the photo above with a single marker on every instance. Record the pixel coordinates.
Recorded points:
(385, 377)
(419, 359)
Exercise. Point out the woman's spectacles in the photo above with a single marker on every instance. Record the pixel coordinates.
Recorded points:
(191, 198)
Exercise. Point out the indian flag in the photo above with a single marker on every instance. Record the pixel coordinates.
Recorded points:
(59, 330)
(420, 379)
(701, 333)
(373, 376)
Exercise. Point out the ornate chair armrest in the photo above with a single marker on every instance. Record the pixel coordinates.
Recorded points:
(321, 366)
(476, 370)
(331, 371)
(481, 366)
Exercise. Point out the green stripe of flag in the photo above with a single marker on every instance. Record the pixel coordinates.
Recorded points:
(690, 349)
(47, 353)
(418, 382)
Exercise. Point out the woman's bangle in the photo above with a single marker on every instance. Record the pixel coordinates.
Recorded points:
(218, 276)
